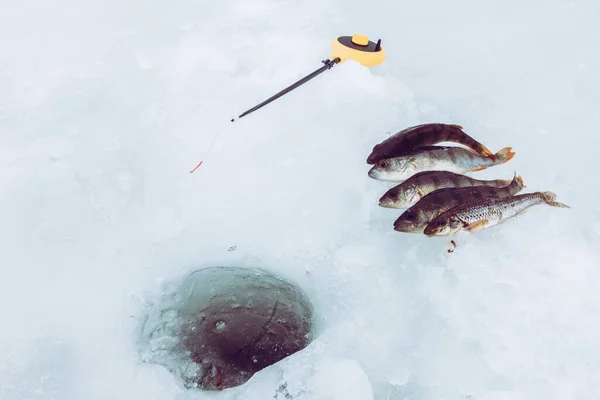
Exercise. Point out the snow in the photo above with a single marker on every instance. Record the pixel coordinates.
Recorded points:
(106, 106)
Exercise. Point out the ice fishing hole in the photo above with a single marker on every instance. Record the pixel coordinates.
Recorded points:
(198, 331)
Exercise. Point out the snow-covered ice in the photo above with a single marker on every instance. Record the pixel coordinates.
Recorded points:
(106, 106)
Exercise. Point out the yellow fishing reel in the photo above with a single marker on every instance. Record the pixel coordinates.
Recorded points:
(358, 48)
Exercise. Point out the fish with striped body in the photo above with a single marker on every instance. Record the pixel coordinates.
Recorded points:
(436, 158)
(409, 192)
(416, 218)
(484, 213)
(417, 136)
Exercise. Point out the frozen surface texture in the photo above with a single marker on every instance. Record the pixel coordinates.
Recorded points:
(106, 106)
(220, 325)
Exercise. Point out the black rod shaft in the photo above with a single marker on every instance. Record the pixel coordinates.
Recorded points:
(328, 65)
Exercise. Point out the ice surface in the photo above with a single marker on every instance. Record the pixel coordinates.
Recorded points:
(106, 106)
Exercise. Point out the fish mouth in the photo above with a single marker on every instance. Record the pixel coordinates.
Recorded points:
(388, 203)
(374, 173)
(392, 204)
(401, 226)
(380, 174)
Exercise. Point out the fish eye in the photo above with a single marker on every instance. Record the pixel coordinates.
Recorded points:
(384, 163)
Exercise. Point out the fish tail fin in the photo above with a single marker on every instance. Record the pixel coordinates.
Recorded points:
(504, 155)
(516, 185)
(506, 182)
(519, 179)
(550, 199)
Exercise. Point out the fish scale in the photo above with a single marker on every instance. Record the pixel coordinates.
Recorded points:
(498, 210)
(478, 214)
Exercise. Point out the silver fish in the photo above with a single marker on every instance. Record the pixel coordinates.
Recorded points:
(454, 159)
(484, 213)
(409, 192)
(416, 218)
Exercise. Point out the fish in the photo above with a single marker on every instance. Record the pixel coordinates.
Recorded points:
(453, 159)
(409, 192)
(423, 135)
(480, 214)
(416, 218)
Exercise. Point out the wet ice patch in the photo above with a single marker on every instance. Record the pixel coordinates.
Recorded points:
(218, 326)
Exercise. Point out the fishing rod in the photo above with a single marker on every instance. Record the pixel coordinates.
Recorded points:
(328, 65)
(357, 48)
